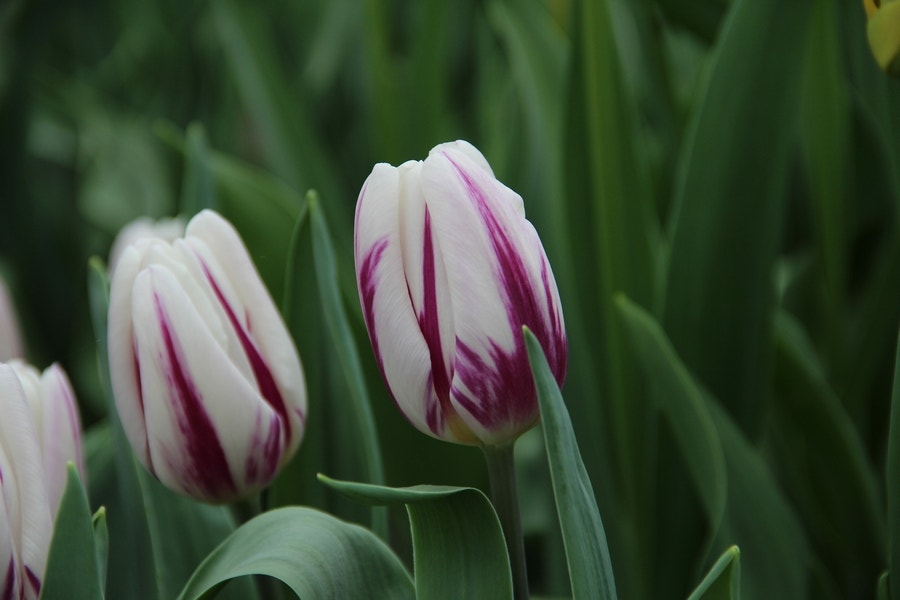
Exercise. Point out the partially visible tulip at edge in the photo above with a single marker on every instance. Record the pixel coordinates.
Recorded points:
(34, 408)
(54, 414)
(10, 336)
(883, 31)
(207, 381)
(449, 270)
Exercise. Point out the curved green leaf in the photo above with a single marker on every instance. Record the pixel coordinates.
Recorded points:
(723, 582)
(457, 539)
(590, 569)
(72, 565)
(313, 553)
(683, 404)
(197, 190)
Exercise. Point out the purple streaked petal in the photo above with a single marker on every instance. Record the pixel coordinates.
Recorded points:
(273, 357)
(494, 262)
(387, 295)
(193, 393)
(264, 379)
(23, 493)
(204, 463)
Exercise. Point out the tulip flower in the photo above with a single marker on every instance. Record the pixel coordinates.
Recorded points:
(142, 228)
(883, 31)
(10, 338)
(206, 379)
(54, 414)
(25, 517)
(449, 271)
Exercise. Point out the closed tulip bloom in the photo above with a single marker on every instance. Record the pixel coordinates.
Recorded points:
(449, 270)
(54, 414)
(25, 517)
(206, 378)
(10, 337)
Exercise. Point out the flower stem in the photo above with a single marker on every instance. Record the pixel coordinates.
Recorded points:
(243, 511)
(502, 474)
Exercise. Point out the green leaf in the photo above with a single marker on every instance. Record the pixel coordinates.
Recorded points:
(72, 569)
(313, 553)
(683, 404)
(457, 540)
(101, 544)
(723, 582)
(729, 204)
(883, 588)
(893, 480)
(342, 338)
(590, 569)
(197, 191)
(823, 461)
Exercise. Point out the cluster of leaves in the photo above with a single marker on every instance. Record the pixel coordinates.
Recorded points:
(717, 184)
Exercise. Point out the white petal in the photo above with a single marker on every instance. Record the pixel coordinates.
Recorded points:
(208, 427)
(495, 275)
(60, 433)
(223, 252)
(400, 348)
(24, 495)
(123, 365)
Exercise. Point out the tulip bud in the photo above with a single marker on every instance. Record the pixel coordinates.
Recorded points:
(449, 270)
(10, 338)
(206, 378)
(54, 414)
(883, 31)
(25, 518)
(142, 228)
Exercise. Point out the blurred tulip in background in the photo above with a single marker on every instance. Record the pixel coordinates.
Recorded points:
(207, 381)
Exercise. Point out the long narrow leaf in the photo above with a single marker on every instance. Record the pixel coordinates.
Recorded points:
(72, 567)
(590, 568)
(345, 344)
(723, 582)
(893, 483)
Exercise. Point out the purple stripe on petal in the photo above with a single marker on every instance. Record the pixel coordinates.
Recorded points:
(264, 456)
(503, 393)
(205, 464)
(367, 294)
(34, 582)
(264, 379)
(9, 582)
(429, 324)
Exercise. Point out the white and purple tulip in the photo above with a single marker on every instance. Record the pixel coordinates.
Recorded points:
(207, 381)
(449, 270)
(57, 424)
(26, 525)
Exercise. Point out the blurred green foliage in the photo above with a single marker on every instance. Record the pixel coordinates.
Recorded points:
(732, 168)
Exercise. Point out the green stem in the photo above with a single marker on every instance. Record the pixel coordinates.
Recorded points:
(502, 474)
(243, 511)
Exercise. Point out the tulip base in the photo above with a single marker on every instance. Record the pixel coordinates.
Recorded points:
(504, 495)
